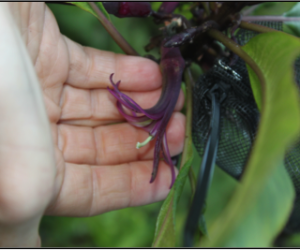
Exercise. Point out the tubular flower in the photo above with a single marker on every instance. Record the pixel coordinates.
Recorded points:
(155, 119)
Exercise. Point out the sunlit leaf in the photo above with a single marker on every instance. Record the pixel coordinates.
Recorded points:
(293, 27)
(155, 5)
(261, 205)
(85, 6)
(272, 8)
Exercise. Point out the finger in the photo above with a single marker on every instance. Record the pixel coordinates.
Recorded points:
(91, 190)
(91, 68)
(115, 144)
(98, 106)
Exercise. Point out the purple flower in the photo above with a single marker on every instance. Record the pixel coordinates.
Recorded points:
(155, 119)
(128, 9)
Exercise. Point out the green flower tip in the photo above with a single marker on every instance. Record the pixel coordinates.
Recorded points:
(141, 144)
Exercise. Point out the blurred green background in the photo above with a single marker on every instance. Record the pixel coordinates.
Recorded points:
(130, 227)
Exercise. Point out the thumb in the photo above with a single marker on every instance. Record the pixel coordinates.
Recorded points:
(27, 167)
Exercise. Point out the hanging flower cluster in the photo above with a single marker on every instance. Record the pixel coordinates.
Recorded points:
(155, 119)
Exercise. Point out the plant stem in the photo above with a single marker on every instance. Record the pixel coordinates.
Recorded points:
(192, 178)
(110, 28)
(235, 48)
(188, 129)
(189, 105)
(270, 18)
(256, 27)
(206, 7)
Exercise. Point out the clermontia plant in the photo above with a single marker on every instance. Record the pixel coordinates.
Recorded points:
(243, 114)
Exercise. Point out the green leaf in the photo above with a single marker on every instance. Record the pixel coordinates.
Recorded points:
(261, 204)
(155, 5)
(85, 6)
(184, 9)
(264, 218)
(165, 226)
(272, 8)
(292, 27)
(202, 225)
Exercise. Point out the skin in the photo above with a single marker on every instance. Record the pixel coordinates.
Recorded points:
(64, 148)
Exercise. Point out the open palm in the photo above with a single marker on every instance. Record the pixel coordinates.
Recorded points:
(85, 162)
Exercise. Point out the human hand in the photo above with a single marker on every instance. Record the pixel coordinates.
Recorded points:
(64, 148)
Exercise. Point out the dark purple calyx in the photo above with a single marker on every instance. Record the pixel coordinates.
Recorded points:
(172, 66)
(189, 34)
(128, 9)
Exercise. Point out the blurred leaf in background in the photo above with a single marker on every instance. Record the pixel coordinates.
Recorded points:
(85, 29)
(130, 227)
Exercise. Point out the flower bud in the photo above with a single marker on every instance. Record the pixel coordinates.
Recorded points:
(128, 9)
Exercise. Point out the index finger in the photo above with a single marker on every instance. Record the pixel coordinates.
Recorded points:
(91, 68)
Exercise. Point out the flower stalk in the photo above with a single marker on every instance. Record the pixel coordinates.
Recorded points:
(114, 33)
(235, 48)
(256, 27)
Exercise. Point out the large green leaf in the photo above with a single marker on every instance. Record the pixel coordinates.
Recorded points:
(85, 6)
(293, 27)
(261, 205)
(165, 226)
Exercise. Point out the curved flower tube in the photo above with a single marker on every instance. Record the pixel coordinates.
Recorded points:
(155, 119)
